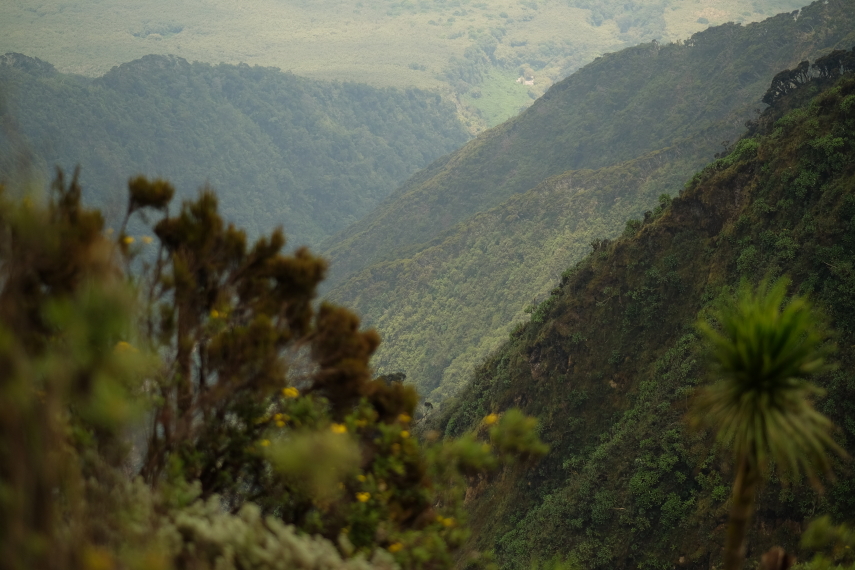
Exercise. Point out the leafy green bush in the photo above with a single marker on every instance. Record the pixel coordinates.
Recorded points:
(260, 438)
(835, 545)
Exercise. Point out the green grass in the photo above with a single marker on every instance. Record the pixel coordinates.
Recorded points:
(499, 97)
(380, 42)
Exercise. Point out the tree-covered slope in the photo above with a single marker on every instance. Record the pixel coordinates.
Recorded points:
(444, 309)
(444, 303)
(613, 359)
(313, 156)
(616, 108)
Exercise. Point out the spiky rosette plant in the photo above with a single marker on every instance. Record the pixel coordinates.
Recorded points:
(762, 354)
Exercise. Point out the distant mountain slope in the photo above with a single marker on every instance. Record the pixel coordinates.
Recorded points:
(616, 108)
(613, 360)
(473, 50)
(409, 257)
(313, 156)
(442, 310)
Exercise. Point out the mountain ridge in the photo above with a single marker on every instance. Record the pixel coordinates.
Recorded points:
(567, 130)
(439, 201)
(613, 362)
(310, 155)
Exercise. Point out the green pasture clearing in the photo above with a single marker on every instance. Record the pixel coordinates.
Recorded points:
(499, 97)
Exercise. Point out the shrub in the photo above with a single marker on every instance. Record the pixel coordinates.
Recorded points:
(200, 363)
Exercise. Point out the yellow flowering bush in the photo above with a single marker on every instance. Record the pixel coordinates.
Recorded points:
(224, 399)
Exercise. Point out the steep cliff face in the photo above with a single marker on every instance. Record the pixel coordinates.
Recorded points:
(612, 359)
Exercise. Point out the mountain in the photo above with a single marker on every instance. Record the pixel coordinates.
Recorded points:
(652, 107)
(311, 155)
(471, 50)
(442, 310)
(613, 359)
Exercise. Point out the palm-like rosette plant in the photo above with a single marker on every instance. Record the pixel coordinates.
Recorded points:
(760, 406)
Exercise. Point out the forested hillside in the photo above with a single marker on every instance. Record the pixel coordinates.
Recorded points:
(442, 310)
(645, 118)
(613, 358)
(311, 155)
(472, 50)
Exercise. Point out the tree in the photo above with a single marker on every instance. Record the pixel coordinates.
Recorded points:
(830, 65)
(237, 328)
(763, 353)
(267, 439)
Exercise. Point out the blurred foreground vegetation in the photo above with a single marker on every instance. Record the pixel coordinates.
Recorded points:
(191, 408)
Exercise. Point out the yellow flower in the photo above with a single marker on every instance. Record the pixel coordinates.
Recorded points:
(338, 428)
(280, 423)
(361, 423)
(97, 559)
(147, 239)
(290, 392)
(445, 521)
(361, 478)
(123, 346)
(127, 240)
(405, 434)
(264, 442)
(491, 419)
(395, 547)
(363, 497)
(404, 418)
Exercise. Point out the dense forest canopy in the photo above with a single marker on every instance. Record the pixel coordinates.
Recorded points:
(474, 51)
(612, 363)
(496, 222)
(311, 155)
